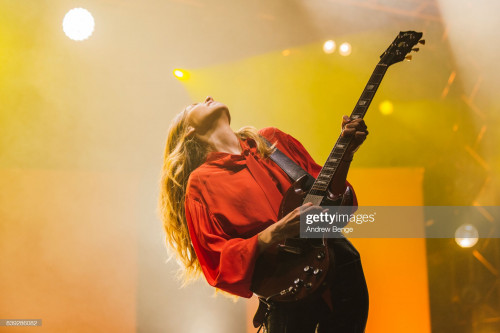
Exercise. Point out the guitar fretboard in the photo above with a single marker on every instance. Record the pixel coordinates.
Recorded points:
(324, 178)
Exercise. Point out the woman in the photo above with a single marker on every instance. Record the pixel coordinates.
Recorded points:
(220, 195)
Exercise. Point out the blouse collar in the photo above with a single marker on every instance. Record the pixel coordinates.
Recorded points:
(248, 147)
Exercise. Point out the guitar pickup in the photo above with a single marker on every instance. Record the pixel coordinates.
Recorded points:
(290, 249)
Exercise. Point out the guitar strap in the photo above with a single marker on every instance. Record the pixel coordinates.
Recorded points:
(292, 169)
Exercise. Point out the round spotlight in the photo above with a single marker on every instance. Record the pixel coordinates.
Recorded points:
(78, 24)
(466, 235)
(345, 49)
(329, 46)
(386, 107)
(178, 73)
(181, 74)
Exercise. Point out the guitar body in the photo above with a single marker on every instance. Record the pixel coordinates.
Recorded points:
(300, 268)
(297, 268)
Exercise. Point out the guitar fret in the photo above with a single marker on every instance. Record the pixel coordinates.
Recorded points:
(380, 69)
(314, 191)
(322, 190)
(376, 78)
(367, 95)
(330, 168)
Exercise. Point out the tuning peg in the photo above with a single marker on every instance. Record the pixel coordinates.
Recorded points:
(408, 57)
(422, 41)
(416, 49)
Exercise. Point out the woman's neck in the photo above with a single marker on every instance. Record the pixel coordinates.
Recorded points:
(223, 139)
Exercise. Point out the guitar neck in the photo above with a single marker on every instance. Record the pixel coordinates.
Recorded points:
(321, 184)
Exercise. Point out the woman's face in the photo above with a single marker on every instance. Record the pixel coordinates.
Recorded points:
(203, 116)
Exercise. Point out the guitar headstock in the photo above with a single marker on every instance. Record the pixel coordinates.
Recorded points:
(401, 46)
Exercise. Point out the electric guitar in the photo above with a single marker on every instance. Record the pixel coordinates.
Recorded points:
(297, 268)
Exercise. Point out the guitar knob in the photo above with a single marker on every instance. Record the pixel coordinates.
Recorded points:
(308, 269)
(317, 271)
(408, 57)
(422, 41)
(416, 49)
(309, 285)
(321, 255)
(298, 282)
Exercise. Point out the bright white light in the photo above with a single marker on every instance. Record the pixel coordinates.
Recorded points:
(466, 235)
(345, 49)
(329, 46)
(78, 24)
(178, 73)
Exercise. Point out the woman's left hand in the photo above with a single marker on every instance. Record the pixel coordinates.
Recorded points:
(355, 128)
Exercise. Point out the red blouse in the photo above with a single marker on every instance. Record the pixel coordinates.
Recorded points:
(230, 199)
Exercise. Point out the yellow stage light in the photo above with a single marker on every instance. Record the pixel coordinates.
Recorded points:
(329, 46)
(466, 235)
(286, 52)
(345, 49)
(78, 24)
(178, 73)
(386, 107)
(181, 74)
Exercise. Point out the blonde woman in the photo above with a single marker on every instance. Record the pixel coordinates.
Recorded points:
(219, 201)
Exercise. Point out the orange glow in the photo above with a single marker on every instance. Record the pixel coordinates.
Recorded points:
(395, 269)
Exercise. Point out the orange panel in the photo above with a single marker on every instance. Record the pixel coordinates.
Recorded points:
(395, 269)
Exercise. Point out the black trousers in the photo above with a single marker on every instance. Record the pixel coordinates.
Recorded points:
(349, 297)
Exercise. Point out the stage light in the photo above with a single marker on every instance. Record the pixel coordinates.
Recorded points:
(386, 107)
(466, 235)
(345, 49)
(78, 24)
(181, 74)
(285, 53)
(329, 46)
(178, 73)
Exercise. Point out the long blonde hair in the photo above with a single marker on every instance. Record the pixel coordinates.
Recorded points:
(182, 156)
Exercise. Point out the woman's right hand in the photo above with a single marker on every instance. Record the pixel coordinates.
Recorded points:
(288, 226)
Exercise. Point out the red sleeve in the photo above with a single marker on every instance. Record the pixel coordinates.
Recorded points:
(227, 263)
(296, 151)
